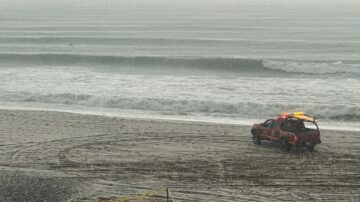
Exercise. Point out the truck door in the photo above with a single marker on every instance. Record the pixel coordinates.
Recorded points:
(275, 130)
(267, 129)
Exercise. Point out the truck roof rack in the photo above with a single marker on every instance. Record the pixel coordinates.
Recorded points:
(298, 115)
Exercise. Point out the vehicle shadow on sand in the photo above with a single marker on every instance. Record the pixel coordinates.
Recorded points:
(298, 151)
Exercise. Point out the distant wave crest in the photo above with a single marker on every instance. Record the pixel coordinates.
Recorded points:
(221, 65)
(86, 40)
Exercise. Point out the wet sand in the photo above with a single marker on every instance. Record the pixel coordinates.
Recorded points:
(86, 158)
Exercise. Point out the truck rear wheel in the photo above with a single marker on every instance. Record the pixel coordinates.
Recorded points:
(284, 145)
(310, 147)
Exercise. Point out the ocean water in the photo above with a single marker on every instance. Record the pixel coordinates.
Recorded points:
(232, 62)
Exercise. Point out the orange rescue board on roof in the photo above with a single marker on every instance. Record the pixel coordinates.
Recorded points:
(298, 115)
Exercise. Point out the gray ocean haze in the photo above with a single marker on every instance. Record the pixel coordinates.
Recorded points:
(217, 61)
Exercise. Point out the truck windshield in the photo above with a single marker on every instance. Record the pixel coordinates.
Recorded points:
(310, 125)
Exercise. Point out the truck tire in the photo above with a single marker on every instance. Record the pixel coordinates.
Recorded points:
(256, 138)
(284, 145)
(311, 147)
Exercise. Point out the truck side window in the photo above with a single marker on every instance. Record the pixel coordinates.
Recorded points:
(268, 123)
(291, 126)
(274, 124)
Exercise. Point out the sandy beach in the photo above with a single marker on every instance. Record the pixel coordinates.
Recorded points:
(55, 156)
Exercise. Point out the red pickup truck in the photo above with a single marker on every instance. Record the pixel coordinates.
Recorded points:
(289, 130)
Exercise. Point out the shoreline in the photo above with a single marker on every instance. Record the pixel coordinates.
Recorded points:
(184, 120)
(122, 117)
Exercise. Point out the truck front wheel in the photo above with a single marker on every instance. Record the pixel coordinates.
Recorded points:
(256, 138)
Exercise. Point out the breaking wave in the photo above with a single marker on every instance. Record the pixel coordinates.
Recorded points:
(230, 65)
(87, 40)
(117, 63)
(314, 67)
(188, 107)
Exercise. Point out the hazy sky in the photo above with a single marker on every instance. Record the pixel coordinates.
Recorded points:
(205, 2)
(51, 7)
